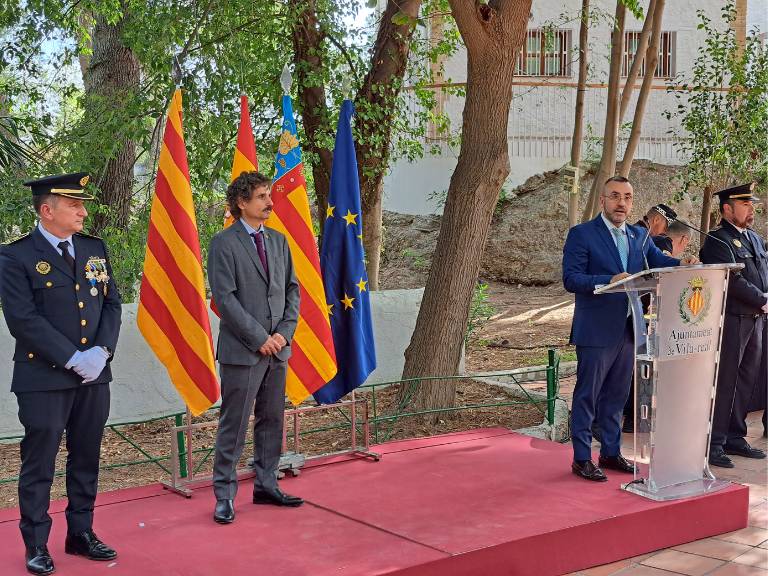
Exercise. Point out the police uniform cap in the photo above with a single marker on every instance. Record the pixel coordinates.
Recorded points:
(741, 192)
(69, 185)
(667, 212)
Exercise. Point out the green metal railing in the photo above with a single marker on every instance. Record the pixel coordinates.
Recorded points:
(382, 422)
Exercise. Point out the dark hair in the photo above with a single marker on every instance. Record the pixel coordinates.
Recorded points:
(616, 178)
(39, 199)
(728, 201)
(678, 229)
(242, 188)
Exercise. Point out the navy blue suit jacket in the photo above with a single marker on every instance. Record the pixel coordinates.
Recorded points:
(590, 258)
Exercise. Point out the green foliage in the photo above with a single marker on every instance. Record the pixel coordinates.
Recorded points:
(49, 123)
(723, 108)
(480, 311)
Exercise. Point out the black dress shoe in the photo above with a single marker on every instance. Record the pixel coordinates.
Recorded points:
(224, 513)
(616, 463)
(39, 561)
(588, 471)
(744, 450)
(88, 544)
(718, 458)
(275, 496)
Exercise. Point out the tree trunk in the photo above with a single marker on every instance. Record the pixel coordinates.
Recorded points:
(578, 123)
(307, 55)
(637, 62)
(111, 78)
(706, 209)
(492, 33)
(372, 236)
(611, 133)
(651, 59)
(376, 103)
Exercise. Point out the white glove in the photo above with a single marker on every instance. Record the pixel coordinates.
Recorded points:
(89, 363)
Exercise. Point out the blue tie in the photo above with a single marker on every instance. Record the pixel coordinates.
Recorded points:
(621, 244)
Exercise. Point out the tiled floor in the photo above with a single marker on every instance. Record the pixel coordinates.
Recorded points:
(740, 553)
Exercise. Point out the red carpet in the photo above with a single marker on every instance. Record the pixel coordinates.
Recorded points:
(488, 502)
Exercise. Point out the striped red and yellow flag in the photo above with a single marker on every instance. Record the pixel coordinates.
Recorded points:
(172, 312)
(245, 160)
(313, 360)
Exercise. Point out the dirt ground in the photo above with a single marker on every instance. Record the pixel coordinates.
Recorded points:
(527, 321)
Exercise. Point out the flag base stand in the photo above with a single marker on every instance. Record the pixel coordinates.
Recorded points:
(183, 474)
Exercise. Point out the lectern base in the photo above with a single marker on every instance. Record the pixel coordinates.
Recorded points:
(676, 491)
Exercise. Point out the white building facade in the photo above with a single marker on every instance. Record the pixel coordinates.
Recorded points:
(542, 112)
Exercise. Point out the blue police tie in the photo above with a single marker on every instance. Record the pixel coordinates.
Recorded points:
(621, 244)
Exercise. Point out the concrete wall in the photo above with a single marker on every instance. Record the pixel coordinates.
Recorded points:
(141, 388)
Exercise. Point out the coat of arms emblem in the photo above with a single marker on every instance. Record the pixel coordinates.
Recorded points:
(695, 300)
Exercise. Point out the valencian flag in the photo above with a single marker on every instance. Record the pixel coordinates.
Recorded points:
(245, 160)
(343, 263)
(172, 313)
(313, 360)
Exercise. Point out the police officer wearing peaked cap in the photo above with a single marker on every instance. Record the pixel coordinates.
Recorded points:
(62, 307)
(744, 326)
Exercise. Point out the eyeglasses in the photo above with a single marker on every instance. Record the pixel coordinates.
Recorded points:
(616, 196)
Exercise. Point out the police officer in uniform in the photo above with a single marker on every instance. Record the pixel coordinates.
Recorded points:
(744, 326)
(62, 307)
(657, 219)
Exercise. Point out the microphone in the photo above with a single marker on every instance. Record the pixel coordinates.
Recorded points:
(708, 235)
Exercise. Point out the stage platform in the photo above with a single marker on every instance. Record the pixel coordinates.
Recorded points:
(487, 502)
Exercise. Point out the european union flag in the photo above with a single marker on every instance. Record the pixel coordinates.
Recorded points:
(342, 262)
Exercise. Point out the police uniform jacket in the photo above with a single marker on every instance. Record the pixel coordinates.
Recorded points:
(52, 312)
(746, 288)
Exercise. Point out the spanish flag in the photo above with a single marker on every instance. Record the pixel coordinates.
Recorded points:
(313, 359)
(172, 313)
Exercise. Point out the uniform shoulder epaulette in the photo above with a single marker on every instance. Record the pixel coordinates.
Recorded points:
(17, 239)
(84, 235)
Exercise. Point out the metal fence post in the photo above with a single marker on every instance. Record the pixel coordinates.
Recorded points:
(551, 386)
(182, 447)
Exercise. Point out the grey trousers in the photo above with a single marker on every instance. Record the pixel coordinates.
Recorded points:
(260, 390)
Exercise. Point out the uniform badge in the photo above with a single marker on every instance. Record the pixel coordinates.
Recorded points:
(96, 271)
(737, 243)
(43, 267)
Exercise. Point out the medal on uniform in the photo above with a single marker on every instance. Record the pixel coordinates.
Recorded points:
(96, 271)
(737, 243)
(43, 267)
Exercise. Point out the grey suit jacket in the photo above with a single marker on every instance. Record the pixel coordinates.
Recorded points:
(250, 309)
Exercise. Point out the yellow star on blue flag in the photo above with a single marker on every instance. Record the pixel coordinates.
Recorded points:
(342, 261)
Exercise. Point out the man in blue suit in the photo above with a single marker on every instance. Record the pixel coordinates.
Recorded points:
(602, 251)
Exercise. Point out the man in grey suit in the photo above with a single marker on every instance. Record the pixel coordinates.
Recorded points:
(250, 272)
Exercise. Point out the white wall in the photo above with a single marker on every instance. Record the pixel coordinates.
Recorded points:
(141, 388)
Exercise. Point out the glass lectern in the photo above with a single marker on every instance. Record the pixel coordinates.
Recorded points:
(677, 316)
